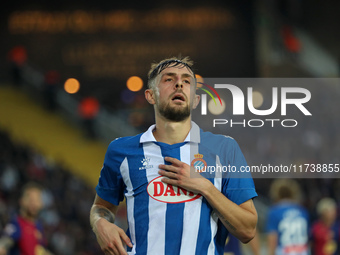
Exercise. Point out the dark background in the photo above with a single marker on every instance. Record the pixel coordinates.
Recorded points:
(102, 58)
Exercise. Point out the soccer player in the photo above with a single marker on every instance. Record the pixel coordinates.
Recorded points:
(23, 235)
(326, 231)
(171, 208)
(287, 220)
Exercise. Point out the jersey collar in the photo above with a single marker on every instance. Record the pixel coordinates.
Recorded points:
(193, 136)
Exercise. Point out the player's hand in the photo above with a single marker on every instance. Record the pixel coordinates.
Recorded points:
(181, 174)
(111, 238)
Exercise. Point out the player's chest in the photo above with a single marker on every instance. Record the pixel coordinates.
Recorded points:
(144, 166)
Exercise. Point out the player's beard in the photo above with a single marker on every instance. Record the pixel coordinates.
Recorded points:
(30, 212)
(175, 114)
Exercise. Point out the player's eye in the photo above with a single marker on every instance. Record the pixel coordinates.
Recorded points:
(187, 81)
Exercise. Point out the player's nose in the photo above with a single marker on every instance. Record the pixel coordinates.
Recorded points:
(179, 84)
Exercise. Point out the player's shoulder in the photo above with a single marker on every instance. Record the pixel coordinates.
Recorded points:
(317, 226)
(297, 206)
(12, 228)
(304, 211)
(213, 139)
(124, 142)
(283, 207)
(210, 135)
(15, 219)
(279, 208)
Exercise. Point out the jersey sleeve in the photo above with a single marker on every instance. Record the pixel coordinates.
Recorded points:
(111, 186)
(12, 230)
(237, 186)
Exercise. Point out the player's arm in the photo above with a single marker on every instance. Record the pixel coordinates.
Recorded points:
(272, 242)
(254, 244)
(111, 238)
(240, 220)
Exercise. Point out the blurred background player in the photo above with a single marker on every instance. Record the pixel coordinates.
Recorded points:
(287, 220)
(326, 231)
(88, 109)
(23, 235)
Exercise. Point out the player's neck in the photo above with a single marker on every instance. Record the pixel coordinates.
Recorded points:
(327, 222)
(26, 216)
(171, 132)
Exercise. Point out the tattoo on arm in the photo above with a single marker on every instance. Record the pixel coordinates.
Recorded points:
(224, 221)
(230, 226)
(105, 213)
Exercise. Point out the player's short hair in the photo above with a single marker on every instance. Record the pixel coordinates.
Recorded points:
(157, 68)
(285, 189)
(29, 186)
(325, 204)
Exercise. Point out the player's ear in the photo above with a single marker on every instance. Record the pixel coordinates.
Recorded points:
(150, 96)
(196, 101)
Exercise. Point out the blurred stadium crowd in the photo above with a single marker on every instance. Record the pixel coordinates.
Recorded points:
(65, 216)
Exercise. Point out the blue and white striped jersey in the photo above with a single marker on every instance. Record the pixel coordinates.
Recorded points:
(165, 219)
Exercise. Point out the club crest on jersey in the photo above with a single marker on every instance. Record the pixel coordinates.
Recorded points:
(199, 163)
(168, 193)
(145, 162)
